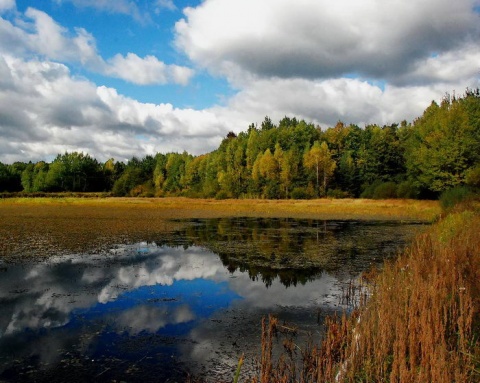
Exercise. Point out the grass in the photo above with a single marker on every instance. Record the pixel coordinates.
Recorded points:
(355, 209)
(420, 324)
(46, 226)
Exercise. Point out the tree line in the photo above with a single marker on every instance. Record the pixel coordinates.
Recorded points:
(438, 151)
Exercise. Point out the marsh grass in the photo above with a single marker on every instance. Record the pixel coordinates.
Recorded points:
(420, 324)
(41, 227)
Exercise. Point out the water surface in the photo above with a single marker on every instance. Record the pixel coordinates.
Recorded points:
(188, 303)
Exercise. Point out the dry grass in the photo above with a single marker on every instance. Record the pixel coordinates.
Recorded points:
(422, 322)
(346, 209)
(46, 226)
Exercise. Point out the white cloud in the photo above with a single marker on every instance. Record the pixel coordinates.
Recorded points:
(54, 42)
(324, 102)
(321, 38)
(278, 57)
(40, 116)
(147, 70)
(7, 5)
(165, 4)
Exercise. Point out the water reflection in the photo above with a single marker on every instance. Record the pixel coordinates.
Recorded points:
(152, 311)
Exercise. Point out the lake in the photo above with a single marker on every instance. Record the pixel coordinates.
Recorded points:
(190, 302)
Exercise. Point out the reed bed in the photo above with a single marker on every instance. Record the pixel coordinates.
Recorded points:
(420, 324)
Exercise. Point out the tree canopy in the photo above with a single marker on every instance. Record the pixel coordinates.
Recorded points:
(292, 159)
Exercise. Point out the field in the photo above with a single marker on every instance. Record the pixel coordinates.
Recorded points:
(39, 227)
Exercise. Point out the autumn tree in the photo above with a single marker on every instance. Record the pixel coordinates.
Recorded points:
(319, 160)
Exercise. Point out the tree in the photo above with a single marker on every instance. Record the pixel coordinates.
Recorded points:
(319, 159)
(74, 172)
(444, 145)
(11, 176)
(5, 178)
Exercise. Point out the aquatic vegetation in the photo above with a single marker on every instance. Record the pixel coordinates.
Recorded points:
(40, 227)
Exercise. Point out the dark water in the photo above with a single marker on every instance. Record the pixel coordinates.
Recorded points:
(189, 303)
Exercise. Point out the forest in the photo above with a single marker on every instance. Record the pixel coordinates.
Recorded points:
(293, 159)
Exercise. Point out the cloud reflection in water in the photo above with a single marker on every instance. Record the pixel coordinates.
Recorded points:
(152, 301)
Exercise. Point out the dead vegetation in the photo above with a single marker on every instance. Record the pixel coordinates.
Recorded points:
(421, 323)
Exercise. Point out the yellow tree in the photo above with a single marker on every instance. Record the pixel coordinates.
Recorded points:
(319, 159)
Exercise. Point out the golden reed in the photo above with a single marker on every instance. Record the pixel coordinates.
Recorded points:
(420, 324)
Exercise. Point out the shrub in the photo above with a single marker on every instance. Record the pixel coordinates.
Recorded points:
(299, 193)
(222, 194)
(337, 193)
(472, 177)
(145, 190)
(369, 189)
(454, 196)
(408, 190)
(385, 190)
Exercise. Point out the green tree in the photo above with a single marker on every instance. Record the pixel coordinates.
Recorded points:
(74, 172)
(444, 144)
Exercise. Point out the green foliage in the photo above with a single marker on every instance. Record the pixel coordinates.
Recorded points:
(222, 194)
(472, 176)
(299, 193)
(445, 143)
(127, 181)
(408, 190)
(385, 190)
(451, 197)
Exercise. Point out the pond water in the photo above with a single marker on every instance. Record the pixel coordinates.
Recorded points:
(189, 303)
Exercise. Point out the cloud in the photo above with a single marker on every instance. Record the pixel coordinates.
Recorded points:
(314, 39)
(41, 35)
(148, 70)
(6, 5)
(164, 4)
(151, 319)
(40, 116)
(324, 102)
(123, 7)
(375, 63)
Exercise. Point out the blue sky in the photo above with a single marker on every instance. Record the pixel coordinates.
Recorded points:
(128, 78)
(151, 32)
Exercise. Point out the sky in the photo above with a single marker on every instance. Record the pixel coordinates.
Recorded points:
(123, 78)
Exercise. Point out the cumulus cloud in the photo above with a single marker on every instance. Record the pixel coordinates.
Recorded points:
(40, 116)
(39, 34)
(321, 39)
(147, 70)
(359, 62)
(324, 102)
